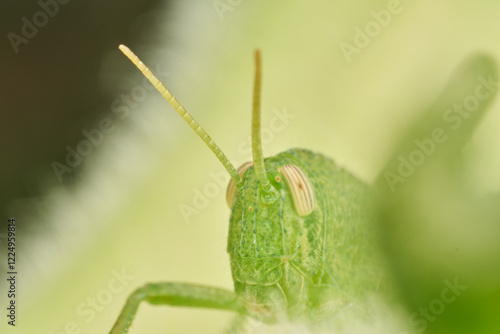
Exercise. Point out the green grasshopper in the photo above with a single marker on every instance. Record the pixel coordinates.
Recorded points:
(301, 240)
(298, 239)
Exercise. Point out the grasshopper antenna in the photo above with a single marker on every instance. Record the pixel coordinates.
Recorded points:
(186, 116)
(270, 194)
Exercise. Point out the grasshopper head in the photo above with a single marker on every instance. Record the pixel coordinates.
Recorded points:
(266, 239)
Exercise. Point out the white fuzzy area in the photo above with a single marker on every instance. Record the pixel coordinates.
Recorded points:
(383, 319)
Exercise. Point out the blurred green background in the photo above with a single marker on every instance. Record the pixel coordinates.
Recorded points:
(149, 199)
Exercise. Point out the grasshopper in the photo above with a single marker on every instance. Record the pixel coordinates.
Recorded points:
(300, 239)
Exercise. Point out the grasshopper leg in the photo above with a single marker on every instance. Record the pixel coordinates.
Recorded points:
(175, 294)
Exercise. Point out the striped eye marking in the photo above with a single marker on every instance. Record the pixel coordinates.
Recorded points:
(301, 188)
(231, 188)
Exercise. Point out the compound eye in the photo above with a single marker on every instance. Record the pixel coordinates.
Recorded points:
(231, 188)
(301, 189)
